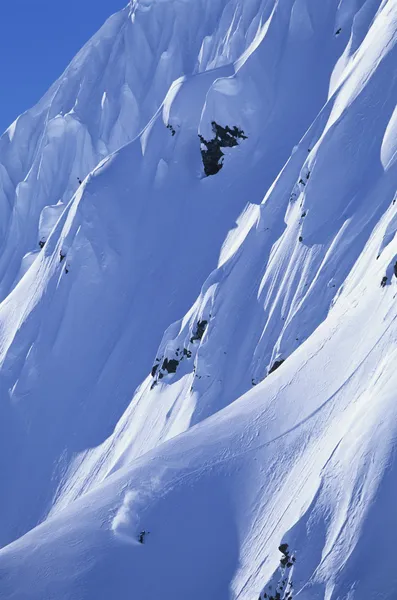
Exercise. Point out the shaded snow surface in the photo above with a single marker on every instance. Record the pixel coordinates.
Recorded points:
(211, 359)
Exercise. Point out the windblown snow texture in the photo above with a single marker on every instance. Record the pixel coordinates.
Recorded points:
(198, 285)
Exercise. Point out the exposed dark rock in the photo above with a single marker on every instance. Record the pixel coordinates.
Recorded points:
(170, 365)
(275, 366)
(300, 238)
(42, 243)
(287, 560)
(200, 330)
(284, 588)
(62, 255)
(395, 269)
(384, 281)
(163, 366)
(212, 155)
(337, 32)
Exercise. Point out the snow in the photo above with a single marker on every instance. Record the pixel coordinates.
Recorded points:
(276, 259)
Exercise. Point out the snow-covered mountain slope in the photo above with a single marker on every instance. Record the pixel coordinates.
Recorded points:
(299, 459)
(102, 101)
(131, 341)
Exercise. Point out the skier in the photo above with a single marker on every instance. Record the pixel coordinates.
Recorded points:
(79, 180)
(141, 537)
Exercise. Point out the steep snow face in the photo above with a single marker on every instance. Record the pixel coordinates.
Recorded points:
(138, 227)
(102, 101)
(286, 262)
(129, 253)
(301, 459)
(283, 261)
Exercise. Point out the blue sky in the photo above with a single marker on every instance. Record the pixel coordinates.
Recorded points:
(38, 38)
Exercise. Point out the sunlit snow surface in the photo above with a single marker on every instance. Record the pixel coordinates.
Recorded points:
(278, 257)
